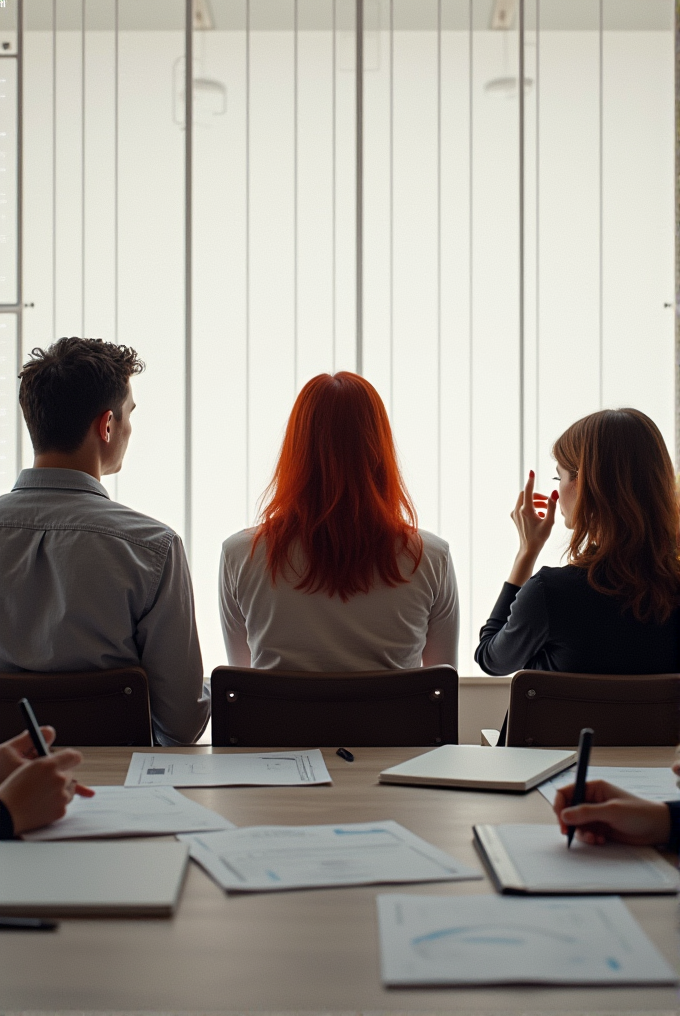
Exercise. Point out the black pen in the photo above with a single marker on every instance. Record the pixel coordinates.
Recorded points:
(347, 755)
(585, 743)
(26, 924)
(34, 730)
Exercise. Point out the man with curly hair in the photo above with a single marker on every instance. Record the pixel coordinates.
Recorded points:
(89, 584)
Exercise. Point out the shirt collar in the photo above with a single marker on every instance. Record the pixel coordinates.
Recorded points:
(60, 479)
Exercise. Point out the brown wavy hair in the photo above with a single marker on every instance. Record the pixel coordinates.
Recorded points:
(626, 519)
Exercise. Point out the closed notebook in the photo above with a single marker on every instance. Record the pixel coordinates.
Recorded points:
(470, 765)
(111, 879)
(535, 859)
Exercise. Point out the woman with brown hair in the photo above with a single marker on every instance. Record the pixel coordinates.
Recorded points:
(613, 609)
(337, 576)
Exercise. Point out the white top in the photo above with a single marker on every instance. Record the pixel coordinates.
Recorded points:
(278, 627)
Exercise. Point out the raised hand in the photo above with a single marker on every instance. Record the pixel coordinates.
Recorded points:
(534, 517)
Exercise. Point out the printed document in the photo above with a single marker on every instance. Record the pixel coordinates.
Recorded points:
(298, 857)
(452, 940)
(131, 811)
(653, 784)
(262, 769)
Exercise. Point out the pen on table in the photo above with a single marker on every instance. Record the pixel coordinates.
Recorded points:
(26, 924)
(347, 755)
(585, 743)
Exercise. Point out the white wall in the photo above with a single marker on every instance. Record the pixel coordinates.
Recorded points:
(441, 329)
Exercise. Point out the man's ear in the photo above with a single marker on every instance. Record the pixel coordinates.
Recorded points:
(104, 425)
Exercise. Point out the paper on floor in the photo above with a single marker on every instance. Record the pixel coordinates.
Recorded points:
(296, 857)
(131, 811)
(264, 769)
(451, 940)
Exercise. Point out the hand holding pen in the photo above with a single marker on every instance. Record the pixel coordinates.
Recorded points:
(38, 790)
(20, 749)
(604, 813)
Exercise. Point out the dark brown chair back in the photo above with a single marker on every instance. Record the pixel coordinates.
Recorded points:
(282, 709)
(550, 709)
(97, 707)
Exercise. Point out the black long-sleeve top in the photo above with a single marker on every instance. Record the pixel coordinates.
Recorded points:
(6, 824)
(557, 621)
(674, 839)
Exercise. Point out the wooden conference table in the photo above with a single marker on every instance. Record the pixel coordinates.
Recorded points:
(315, 950)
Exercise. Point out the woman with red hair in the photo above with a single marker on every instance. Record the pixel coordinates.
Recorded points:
(336, 576)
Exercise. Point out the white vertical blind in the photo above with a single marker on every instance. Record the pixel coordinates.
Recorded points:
(9, 282)
(96, 206)
(8, 395)
(273, 267)
(10, 279)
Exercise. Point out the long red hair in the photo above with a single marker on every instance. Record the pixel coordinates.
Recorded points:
(337, 492)
(625, 518)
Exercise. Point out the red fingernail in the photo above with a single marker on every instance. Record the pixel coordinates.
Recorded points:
(554, 495)
(532, 474)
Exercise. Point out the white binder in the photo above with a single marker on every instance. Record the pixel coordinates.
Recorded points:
(475, 767)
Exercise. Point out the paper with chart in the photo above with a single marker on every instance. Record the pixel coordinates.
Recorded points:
(261, 769)
(653, 784)
(451, 940)
(534, 859)
(260, 858)
(131, 811)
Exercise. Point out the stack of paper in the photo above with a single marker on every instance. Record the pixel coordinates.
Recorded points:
(431, 940)
(127, 811)
(653, 784)
(297, 857)
(264, 769)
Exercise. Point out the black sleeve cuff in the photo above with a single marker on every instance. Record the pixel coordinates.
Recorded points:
(6, 824)
(674, 838)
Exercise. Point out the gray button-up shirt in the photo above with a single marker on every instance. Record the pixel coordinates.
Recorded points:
(88, 584)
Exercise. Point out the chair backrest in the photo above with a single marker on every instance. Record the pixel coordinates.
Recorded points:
(97, 707)
(281, 709)
(550, 709)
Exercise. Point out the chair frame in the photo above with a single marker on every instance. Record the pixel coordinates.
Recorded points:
(246, 702)
(97, 707)
(549, 708)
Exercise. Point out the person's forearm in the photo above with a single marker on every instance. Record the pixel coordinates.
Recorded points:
(523, 568)
(486, 655)
(516, 630)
